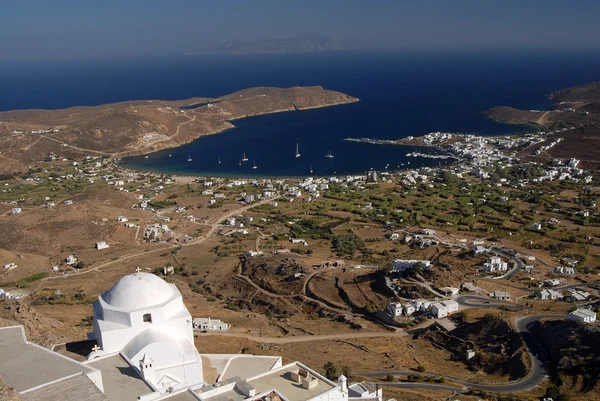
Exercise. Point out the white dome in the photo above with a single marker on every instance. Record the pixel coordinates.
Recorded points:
(137, 291)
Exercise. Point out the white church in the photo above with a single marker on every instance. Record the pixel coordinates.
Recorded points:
(145, 351)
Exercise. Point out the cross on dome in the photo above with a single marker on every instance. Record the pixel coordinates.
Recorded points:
(95, 348)
(138, 269)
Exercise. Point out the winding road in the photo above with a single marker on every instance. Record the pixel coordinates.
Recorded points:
(536, 375)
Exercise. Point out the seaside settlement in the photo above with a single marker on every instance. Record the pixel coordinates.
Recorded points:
(429, 274)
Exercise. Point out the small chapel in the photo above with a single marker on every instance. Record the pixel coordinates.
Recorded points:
(143, 317)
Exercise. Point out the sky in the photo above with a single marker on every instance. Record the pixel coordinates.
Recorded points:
(69, 29)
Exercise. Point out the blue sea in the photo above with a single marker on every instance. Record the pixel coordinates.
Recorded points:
(401, 93)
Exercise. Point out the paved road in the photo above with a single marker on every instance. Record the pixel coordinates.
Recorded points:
(302, 339)
(536, 375)
(484, 302)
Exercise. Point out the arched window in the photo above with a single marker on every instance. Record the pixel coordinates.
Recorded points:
(147, 318)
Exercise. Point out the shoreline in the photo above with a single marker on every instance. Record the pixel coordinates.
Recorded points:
(141, 152)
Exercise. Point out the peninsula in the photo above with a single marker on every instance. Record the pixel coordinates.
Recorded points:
(576, 109)
(142, 126)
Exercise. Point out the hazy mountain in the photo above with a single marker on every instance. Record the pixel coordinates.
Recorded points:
(297, 44)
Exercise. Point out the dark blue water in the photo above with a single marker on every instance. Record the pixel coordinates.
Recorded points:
(402, 93)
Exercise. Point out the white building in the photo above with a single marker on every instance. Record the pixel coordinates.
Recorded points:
(439, 310)
(144, 318)
(501, 295)
(495, 264)
(394, 309)
(16, 210)
(400, 265)
(443, 309)
(208, 324)
(10, 266)
(71, 260)
(101, 245)
(582, 315)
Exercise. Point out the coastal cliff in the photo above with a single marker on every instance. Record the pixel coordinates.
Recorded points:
(143, 126)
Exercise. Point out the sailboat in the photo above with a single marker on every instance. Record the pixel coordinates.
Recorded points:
(254, 167)
(170, 154)
(244, 158)
(219, 160)
(189, 158)
(311, 170)
(329, 155)
(297, 153)
(240, 162)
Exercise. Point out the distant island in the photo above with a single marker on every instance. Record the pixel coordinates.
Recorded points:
(305, 43)
(142, 126)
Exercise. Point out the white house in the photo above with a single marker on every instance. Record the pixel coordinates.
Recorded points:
(71, 260)
(408, 309)
(394, 309)
(549, 294)
(208, 324)
(122, 219)
(582, 315)
(564, 270)
(536, 226)
(452, 306)
(101, 245)
(16, 210)
(501, 295)
(439, 310)
(495, 264)
(10, 266)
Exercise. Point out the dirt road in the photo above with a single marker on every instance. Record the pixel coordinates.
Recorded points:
(301, 339)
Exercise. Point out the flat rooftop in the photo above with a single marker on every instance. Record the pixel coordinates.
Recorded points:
(121, 382)
(26, 365)
(280, 380)
(246, 366)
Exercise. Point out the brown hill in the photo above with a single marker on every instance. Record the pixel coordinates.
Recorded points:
(137, 127)
(582, 93)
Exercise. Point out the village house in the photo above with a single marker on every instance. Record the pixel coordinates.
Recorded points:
(495, 264)
(71, 260)
(443, 309)
(582, 315)
(16, 210)
(394, 309)
(299, 241)
(10, 266)
(208, 324)
(576, 295)
(501, 295)
(564, 270)
(549, 294)
(101, 245)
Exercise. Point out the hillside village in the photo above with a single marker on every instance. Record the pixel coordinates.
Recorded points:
(434, 277)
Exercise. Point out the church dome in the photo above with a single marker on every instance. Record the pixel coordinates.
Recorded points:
(138, 291)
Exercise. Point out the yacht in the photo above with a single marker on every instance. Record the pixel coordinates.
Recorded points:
(297, 153)
(329, 155)
(244, 158)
